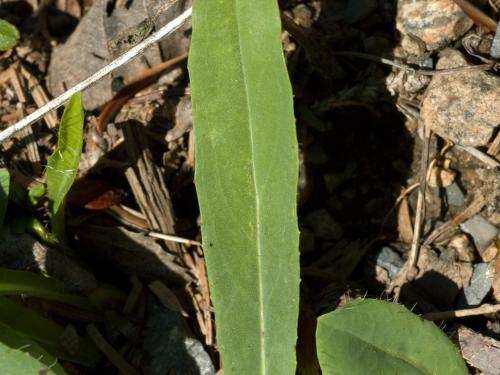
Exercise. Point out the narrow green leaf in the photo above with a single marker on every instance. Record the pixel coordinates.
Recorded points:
(9, 35)
(13, 282)
(377, 337)
(63, 164)
(4, 193)
(20, 355)
(246, 181)
(46, 333)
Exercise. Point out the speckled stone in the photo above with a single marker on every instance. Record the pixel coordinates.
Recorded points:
(463, 107)
(437, 23)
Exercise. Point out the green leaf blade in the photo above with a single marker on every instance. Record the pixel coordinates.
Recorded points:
(385, 338)
(63, 164)
(20, 355)
(9, 35)
(246, 178)
(46, 333)
(14, 282)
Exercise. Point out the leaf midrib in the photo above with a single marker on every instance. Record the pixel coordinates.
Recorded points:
(257, 201)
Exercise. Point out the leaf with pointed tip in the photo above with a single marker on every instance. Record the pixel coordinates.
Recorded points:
(246, 181)
(63, 163)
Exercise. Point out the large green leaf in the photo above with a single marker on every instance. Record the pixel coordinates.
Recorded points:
(246, 181)
(13, 282)
(377, 337)
(63, 164)
(4, 192)
(46, 333)
(20, 355)
(9, 35)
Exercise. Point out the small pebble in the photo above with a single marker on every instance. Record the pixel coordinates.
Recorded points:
(495, 46)
(463, 248)
(390, 261)
(440, 177)
(489, 253)
(463, 107)
(481, 230)
(480, 285)
(455, 195)
(303, 15)
(437, 23)
(323, 225)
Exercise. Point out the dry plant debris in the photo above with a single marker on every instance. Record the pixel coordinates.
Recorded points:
(377, 84)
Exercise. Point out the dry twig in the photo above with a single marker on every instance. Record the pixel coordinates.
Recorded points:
(398, 65)
(481, 310)
(409, 270)
(114, 357)
(471, 210)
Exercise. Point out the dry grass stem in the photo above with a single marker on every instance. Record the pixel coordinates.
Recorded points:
(135, 51)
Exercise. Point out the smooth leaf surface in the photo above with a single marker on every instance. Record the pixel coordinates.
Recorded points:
(63, 163)
(246, 181)
(9, 35)
(13, 282)
(4, 193)
(20, 355)
(46, 333)
(377, 337)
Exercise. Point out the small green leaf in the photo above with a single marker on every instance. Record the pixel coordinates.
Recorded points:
(376, 337)
(46, 333)
(19, 355)
(37, 229)
(246, 181)
(9, 35)
(4, 193)
(62, 166)
(13, 282)
(35, 195)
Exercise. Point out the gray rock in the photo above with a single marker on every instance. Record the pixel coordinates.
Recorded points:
(462, 108)
(86, 50)
(323, 225)
(455, 195)
(169, 346)
(437, 23)
(390, 261)
(23, 252)
(495, 46)
(480, 285)
(481, 230)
